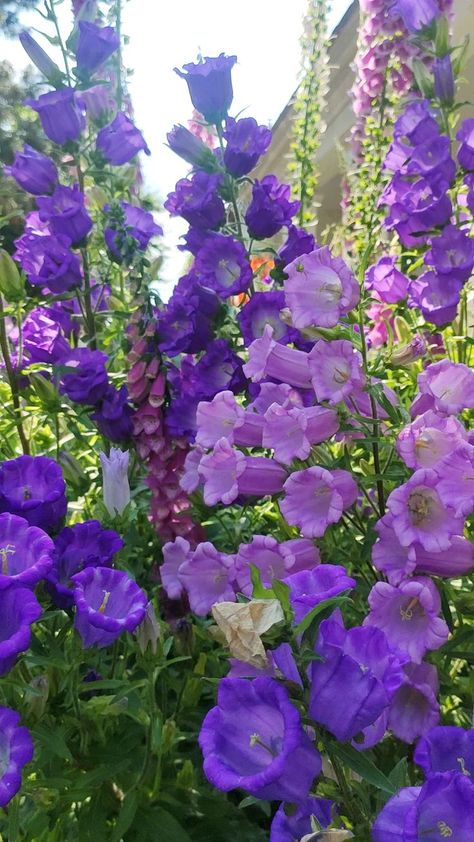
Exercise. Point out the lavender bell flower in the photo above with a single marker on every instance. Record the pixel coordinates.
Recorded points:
(310, 587)
(84, 377)
(267, 555)
(197, 201)
(48, 262)
(418, 513)
(253, 740)
(210, 85)
(268, 358)
(61, 118)
(408, 614)
(456, 480)
(446, 748)
(246, 143)
(387, 281)
(175, 553)
(95, 44)
(452, 253)
(298, 242)
(139, 224)
(291, 432)
(43, 339)
(116, 488)
(429, 439)
(33, 488)
(33, 171)
(185, 325)
(114, 415)
(108, 603)
(465, 136)
(448, 386)
(286, 828)
(120, 141)
(315, 498)
(39, 57)
(17, 751)
(82, 545)
(320, 289)
(207, 576)
(437, 296)
(270, 208)
(222, 265)
(262, 309)
(191, 148)
(357, 664)
(444, 84)
(26, 552)
(227, 473)
(414, 708)
(65, 213)
(336, 370)
(20, 609)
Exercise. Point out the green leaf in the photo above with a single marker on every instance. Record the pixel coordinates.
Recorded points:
(362, 766)
(398, 775)
(325, 607)
(282, 593)
(53, 740)
(125, 817)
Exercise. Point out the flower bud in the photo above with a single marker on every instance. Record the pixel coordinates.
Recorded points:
(168, 735)
(41, 59)
(12, 284)
(116, 487)
(444, 80)
(408, 354)
(45, 390)
(72, 472)
(37, 693)
(191, 148)
(148, 632)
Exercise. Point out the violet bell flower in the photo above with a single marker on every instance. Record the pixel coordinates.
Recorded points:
(116, 488)
(108, 603)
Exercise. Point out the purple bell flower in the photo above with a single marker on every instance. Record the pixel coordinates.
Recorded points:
(295, 825)
(185, 325)
(387, 281)
(414, 708)
(43, 339)
(65, 213)
(319, 289)
(437, 296)
(98, 101)
(254, 740)
(85, 377)
(210, 85)
(357, 664)
(120, 141)
(262, 309)
(222, 265)
(218, 369)
(444, 84)
(26, 552)
(95, 44)
(315, 498)
(336, 370)
(298, 242)
(270, 208)
(61, 118)
(175, 553)
(447, 386)
(20, 609)
(33, 171)
(48, 262)
(452, 253)
(39, 57)
(207, 576)
(82, 545)
(465, 136)
(16, 752)
(191, 149)
(291, 431)
(33, 488)
(456, 480)
(274, 561)
(446, 748)
(310, 587)
(246, 143)
(268, 358)
(114, 415)
(197, 201)
(227, 473)
(416, 14)
(139, 224)
(108, 603)
(429, 439)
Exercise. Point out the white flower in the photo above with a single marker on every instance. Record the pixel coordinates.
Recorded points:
(242, 623)
(116, 489)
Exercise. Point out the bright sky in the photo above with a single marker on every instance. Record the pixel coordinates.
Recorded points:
(264, 34)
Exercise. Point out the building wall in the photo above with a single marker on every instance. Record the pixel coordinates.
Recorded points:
(339, 117)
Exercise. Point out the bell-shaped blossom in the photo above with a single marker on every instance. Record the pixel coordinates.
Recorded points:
(33, 171)
(120, 141)
(429, 439)
(253, 740)
(268, 358)
(33, 487)
(279, 393)
(43, 339)
(196, 199)
(452, 253)
(246, 143)
(185, 324)
(465, 135)
(113, 415)
(65, 212)
(84, 379)
(456, 480)
(26, 552)
(336, 370)
(298, 242)
(175, 553)
(414, 708)
(138, 223)
(98, 101)
(437, 296)
(295, 825)
(223, 417)
(210, 85)
(95, 44)
(270, 208)
(446, 748)
(449, 386)
(48, 262)
(291, 432)
(265, 553)
(418, 513)
(20, 609)
(315, 498)
(207, 576)
(387, 281)
(320, 289)
(264, 308)
(191, 148)
(409, 615)
(108, 603)
(82, 545)
(116, 488)
(222, 265)
(60, 115)
(310, 587)
(242, 624)
(417, 14)
(358, 664)
(191, 478)
(228, 473)
(17, 751)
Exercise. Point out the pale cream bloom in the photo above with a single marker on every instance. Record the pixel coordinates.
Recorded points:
(243, 623)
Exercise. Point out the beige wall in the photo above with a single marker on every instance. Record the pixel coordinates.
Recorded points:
(339, 116)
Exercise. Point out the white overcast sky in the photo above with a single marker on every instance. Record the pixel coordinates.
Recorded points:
(264, 34)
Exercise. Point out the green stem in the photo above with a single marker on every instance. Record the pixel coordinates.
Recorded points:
(13, 382)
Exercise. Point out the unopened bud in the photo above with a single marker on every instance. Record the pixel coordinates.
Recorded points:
(12, 284)
(37, 693)
(444, 80)
(72, 471)
(40, 58)
(168, 735)
(45, 390)
(191, 148)
(407, 354)
(148, 631)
